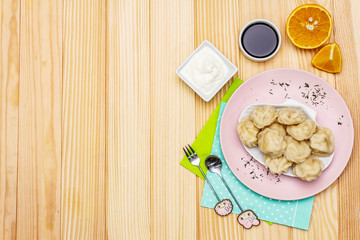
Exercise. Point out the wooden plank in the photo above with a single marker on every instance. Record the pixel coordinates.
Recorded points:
(39, 164)
(324, 217)
(355, 18)
(215, 22)
(347, 84)
(275, 12)
(173, 188)
(9, 108)
(128, 120)
(83, 121)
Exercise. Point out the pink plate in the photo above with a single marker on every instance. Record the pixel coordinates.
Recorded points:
(275, 86)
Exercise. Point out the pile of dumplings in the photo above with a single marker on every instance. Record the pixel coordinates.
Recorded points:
(287, 138)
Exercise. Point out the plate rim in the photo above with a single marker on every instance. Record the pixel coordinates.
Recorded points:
(351, 126)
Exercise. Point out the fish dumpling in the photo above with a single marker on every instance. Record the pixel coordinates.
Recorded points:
(277, 165)
(291, 116)
(303, 130)
(271, 142)
(263, 116)
(309, 169)
(296, 151)
(247, 132)
(322, 142)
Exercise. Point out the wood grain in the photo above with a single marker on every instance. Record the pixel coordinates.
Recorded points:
(83, 121)
(128, 120)
(93, 117)
(212, 21)
(39, 153)
(9, 115)
(323, 224)
(347, 84)
(173, 189)
(266, 9)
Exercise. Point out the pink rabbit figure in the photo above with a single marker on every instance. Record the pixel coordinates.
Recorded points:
(248, 219)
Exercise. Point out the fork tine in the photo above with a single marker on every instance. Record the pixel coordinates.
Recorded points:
(192, 150)
(190, 153)
(187, 155)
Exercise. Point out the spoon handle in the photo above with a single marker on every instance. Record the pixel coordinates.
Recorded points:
(211, 187)
(230, 192)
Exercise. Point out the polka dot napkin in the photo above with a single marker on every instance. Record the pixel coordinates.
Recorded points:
(291, 213)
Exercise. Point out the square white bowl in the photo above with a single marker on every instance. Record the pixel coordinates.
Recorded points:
(232, 70)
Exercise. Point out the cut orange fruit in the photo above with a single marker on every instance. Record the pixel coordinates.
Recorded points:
(328, 58)
(309, 26)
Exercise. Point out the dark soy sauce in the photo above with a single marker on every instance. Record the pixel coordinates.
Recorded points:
(259, 40)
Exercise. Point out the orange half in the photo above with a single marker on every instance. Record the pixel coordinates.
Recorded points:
(328, 58)
(309, 26)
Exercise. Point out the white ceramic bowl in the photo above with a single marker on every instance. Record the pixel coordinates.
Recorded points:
(232, 70)
(267, 23)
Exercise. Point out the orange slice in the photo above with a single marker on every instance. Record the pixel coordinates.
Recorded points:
(309, 26)
(328, 58)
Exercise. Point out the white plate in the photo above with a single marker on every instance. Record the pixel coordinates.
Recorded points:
(311, 113)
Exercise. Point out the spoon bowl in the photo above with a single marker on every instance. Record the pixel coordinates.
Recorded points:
(214, 164)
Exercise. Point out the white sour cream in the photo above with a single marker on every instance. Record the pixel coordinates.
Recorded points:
(205, 70)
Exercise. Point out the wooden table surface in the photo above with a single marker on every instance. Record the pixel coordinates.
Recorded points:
(93, 117)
